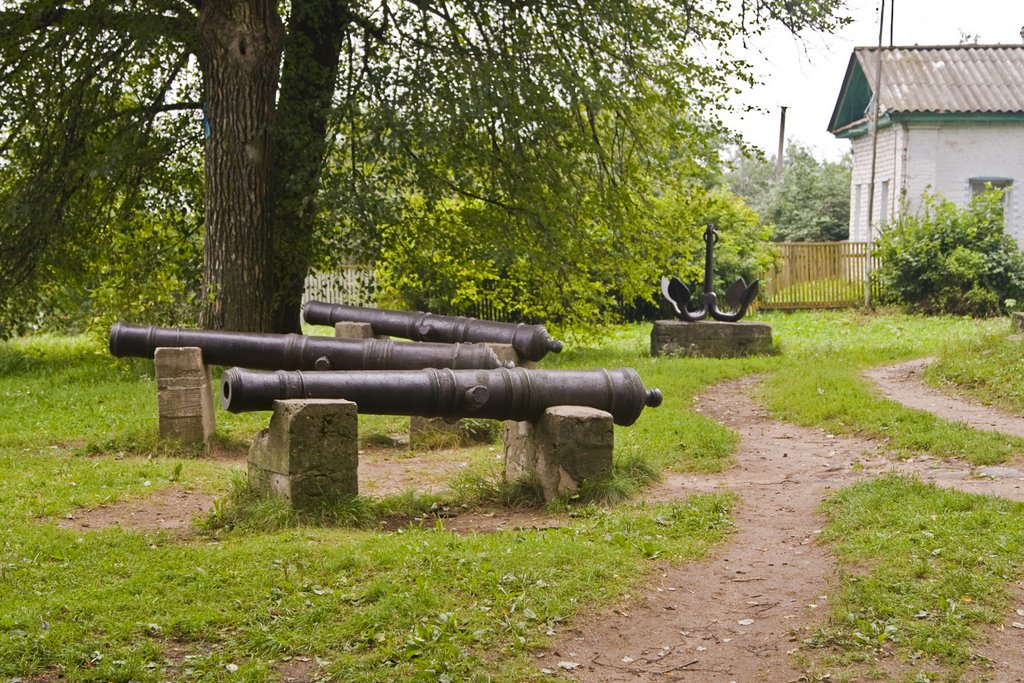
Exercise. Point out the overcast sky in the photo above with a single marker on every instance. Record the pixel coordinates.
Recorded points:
(806, 75)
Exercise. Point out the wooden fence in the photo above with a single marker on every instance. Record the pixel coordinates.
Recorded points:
(816, 275)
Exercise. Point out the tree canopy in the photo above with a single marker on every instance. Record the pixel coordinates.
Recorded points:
(273, 139)
(811, 205)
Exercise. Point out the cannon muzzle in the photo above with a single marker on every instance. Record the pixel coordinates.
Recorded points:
(501, 394)
(300, 352)
(531, 342)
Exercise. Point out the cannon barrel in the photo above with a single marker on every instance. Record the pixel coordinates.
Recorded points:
(501, 394)
(531, 342)
(300, 352)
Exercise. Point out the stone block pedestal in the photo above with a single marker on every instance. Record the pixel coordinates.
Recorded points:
(184, 396)
(567, 445)
(310, 452)
(710, 338)
(351, 330)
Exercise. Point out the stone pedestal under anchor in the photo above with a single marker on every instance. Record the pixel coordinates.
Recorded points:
(710, 339)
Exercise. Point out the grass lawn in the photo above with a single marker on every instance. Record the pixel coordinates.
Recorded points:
(988, 368)
(247, 598)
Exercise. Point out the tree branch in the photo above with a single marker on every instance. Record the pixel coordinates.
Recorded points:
(139, 25)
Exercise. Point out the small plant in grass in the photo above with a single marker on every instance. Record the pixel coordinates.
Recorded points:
(245, 510)
(464, 432)
(490, 486)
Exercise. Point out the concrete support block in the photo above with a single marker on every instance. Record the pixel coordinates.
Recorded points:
(710, 338)
(350, 330)
(1017, 322)
(310, 452)
(566, 446)
(184, 396)
(505, 352)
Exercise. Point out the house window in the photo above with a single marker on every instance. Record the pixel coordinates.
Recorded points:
(979, 185)
(883, 210)
(855, 233)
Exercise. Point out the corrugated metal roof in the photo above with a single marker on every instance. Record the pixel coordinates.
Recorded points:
(948, 79)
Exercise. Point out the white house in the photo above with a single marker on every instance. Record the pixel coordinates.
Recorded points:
(951, 122)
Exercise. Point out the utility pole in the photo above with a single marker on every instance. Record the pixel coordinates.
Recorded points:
(782, 149)
(874, 156)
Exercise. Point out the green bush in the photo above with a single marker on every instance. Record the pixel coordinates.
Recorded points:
(459, 253)
(948, 259)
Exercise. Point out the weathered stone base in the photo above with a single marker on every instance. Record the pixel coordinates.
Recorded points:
(310, 452)
(184, 397)
(710, 338)
(1017, 322)
(567, 445)
(351, 330)
(506, 352)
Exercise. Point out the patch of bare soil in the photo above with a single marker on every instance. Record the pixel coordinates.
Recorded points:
(171, 509)
(741, 613)
(1004, 647)
(463, 520)
(388, 471)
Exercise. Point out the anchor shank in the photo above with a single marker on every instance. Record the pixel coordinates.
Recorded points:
(709, 261)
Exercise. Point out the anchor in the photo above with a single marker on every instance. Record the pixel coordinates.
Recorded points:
(738, 295)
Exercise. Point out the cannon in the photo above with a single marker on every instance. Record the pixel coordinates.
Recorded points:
(300, 352)
(531, 342)
(501, 394)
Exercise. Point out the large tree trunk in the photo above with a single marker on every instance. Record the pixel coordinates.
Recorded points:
(239, 47)
(315, 33)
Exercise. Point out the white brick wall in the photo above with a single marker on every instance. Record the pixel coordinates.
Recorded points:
(887, 163)
(938, 159)
(944, 158)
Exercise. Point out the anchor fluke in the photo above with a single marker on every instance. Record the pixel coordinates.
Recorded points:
(676, 293)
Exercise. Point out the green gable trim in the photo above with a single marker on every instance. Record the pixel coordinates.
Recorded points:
(958, 117)
(854, 99)
(859, 129)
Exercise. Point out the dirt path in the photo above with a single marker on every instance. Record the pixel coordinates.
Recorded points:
(904, 383)
(738, 615)
(735, 616)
